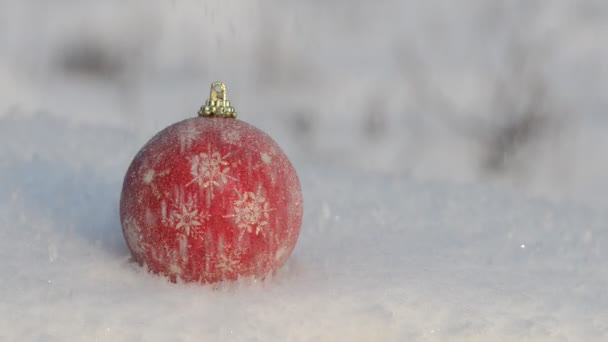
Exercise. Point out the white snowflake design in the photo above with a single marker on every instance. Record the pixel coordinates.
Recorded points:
(187, 219)
(231, 137)
(251, 211)
(210, 170)
(167, 256)
(228, 262)
(185, 216)
(133, 235)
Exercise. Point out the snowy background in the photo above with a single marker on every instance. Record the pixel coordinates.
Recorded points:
(452, 157)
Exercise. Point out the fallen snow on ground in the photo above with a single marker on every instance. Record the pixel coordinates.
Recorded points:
(380, 258)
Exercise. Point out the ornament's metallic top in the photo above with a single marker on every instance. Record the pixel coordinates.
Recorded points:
(217, 104)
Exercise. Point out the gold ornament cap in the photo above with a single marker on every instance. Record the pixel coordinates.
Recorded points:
(217, 104)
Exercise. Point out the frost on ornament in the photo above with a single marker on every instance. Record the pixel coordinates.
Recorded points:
(133, 236)
(209, 199)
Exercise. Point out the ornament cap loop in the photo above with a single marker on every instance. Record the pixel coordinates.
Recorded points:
(217, 104)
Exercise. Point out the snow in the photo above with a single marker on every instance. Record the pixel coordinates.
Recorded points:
(406, 235)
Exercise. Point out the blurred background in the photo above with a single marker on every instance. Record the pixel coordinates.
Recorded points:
(499, 92)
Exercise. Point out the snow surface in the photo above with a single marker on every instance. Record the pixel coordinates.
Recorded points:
(406, 236)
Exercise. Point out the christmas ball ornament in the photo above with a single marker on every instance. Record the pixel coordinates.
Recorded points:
(211, 198)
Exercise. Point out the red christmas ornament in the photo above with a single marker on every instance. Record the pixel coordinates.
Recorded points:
(211, 198)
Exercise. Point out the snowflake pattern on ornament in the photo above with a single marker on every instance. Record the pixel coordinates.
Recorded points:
(188, 219)
(133, 235)
(251, 211)
(210, 170)
(166, 256)
(227, 263)
(185, 216)
(231, 137)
